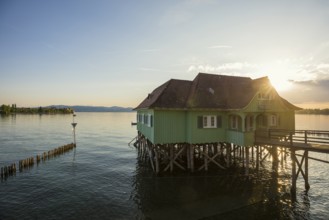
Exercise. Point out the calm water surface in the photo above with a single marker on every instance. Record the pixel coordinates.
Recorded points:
(101, 178)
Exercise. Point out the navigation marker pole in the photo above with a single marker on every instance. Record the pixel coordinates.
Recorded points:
(73, 126)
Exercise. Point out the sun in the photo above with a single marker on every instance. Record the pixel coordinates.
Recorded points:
(280, 83)
(279, 73)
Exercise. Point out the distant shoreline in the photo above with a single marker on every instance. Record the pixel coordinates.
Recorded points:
(313, 111)
(59, 109)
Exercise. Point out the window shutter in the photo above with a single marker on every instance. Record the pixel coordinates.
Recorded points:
(219, 121)
(200, 122)
(151, 120)
(279, 122)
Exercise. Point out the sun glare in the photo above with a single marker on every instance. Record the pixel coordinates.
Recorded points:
(278, 74)
(279, 83)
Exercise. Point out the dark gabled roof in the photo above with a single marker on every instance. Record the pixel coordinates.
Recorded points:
(172, 94)
(219, 91)
(208, 91)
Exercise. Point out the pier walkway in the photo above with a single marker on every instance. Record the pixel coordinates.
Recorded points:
(296, 140)
(311, 140)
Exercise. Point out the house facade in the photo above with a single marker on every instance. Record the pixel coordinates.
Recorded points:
(213, 108)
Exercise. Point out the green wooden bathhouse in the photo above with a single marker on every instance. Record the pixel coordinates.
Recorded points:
(213, 108)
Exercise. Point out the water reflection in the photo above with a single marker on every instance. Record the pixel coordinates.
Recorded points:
(218, 195)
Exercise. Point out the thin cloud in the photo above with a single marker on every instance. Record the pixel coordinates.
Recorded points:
(220, 47)
(236, 67)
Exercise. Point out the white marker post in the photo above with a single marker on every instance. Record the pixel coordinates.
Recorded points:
(74, 125)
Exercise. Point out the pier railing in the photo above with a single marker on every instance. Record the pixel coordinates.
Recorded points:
(311, 137)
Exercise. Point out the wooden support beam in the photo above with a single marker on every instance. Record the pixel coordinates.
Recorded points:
(293, 173)
(205, 157)
(228, 154)
(247, 160)
(171, 154)
(188, 157)
(156, 157)
(192, 157)
(172, 158)
(149, 150)
(307, 185)
(211, 159)
(257, 156)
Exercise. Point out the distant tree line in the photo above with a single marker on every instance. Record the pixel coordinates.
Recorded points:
(13, 109)
(314, 111)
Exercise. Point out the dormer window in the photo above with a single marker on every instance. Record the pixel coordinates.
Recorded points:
(149, 96)
(264, 96)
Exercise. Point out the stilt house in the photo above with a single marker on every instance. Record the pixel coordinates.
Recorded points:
(213, 108)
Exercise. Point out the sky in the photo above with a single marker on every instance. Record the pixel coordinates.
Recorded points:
(115, 52)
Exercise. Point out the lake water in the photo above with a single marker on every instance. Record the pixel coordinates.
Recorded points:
(102, 179)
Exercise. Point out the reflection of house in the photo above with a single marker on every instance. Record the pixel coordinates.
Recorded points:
(213, 108)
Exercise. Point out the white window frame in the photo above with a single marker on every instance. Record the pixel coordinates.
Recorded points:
(149, 117)
(209, 121)
(234, 122)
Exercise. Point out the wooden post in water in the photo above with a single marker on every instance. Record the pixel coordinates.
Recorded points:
(293, 172)
(275, 157)
(205, 152)
(228, 154)
(171, 146)
(257, 157)
(307, 185)
(191, 146)
(247, 160)
(73, 126)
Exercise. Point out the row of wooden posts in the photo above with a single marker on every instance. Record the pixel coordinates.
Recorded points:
(197, 157)
(30, 161)
(200, 157)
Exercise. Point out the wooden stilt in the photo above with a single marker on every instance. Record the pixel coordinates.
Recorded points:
(293, 172)
(171, 163)
(228, 154)
(192, 157)
(307, 185)
(242, 150)
(156, 157)
(247, 160)
(257, 156)
(275, 158)
(188, 157)
(205, 151)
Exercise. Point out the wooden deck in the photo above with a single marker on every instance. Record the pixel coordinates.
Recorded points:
(311, 140)
(297, 140)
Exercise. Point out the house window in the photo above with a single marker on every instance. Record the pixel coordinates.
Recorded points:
(264, 96)
(145, 119)
(273, 120)
(209, 121)
(150, 120)
(234, 122)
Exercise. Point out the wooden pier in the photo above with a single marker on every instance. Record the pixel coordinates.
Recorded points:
(303, 141)
(275, 143)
